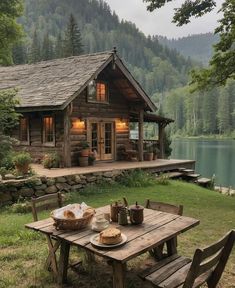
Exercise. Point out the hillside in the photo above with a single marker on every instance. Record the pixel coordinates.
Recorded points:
(199, 47)
(146, 57)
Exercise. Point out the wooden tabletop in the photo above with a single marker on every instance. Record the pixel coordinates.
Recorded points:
(157, 228)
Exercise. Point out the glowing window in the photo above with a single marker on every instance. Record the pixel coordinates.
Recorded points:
(24, 129)
(97, 92)
(48, 130)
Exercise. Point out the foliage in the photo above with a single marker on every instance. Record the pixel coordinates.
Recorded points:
(51, 160)
(72, 42)
(137, 178)
(10, 30)
(22, 158)
(21, 206)
(84, 144)
(223, 61)
(222, 64)
(8, 119)
(163, 179)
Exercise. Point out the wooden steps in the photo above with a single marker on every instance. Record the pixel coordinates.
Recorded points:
(204, 182)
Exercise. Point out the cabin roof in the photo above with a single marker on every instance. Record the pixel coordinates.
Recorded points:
(54, 84)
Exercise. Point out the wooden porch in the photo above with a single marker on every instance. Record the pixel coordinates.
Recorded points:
(159, 165)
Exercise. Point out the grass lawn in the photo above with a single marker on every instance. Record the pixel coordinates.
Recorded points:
(22, 252)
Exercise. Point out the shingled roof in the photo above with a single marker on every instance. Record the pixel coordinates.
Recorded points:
(53, 84)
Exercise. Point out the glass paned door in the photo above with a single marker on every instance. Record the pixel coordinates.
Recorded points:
(102, 139)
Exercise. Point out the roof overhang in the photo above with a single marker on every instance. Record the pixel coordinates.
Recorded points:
(151, 118)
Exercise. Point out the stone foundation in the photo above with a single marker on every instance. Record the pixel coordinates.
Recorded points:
(12, 190)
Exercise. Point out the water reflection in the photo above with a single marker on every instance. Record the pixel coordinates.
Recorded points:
(212, 157)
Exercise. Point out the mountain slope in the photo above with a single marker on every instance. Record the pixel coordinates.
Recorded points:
(199, 47)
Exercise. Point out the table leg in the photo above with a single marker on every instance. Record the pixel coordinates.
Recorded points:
(119, 274)
(51, 259)
(63, 262)
(171, 246)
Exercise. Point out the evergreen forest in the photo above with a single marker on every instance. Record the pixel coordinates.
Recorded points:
(57, 28)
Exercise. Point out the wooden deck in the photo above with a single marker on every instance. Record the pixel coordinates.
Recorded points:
(159, 165)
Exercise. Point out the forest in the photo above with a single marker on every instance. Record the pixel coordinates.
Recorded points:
(154, 61)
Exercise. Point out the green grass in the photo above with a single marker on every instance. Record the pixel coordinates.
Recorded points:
(23, 252)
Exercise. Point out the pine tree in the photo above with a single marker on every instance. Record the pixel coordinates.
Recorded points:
(19, 54)
(73, 41)
(35, 51)
(59, 53)
(47, 48)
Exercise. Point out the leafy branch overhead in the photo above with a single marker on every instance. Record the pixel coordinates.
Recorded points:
(222, 64)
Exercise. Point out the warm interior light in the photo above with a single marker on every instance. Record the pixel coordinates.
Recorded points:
(121, 124)
(78, 124)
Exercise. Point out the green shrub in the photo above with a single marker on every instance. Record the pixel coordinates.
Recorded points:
(51, 160)
(162, 179)
(21, 207)
(137, 178)
(21, 159)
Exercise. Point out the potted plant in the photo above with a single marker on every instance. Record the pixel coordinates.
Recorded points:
(91, 158)
(85, 149)
(21, 161)
(51, 160)
(148, 154)
(155, 151)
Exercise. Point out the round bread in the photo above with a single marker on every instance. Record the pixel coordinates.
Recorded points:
(88, 212)
(110, 236)
(68, 214)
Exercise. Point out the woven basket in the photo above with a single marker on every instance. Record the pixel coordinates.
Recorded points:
(72, 224)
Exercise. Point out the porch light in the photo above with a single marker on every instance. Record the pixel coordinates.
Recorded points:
(78, 123)
(121, 124)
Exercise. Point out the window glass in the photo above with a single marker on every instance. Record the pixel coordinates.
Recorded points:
(24, 129)
(97, 92)
(48, 129)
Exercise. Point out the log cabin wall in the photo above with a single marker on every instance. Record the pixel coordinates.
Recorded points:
(116, 109)
(35, 146)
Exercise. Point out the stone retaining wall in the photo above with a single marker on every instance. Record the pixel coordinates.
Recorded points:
(11, 190)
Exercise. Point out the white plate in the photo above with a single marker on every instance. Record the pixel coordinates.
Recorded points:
(95, 241)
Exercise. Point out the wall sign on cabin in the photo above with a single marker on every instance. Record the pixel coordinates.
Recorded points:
(97, 91)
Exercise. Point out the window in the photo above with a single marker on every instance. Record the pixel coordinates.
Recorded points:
(97, 92)
(48, 130)
(24, 130)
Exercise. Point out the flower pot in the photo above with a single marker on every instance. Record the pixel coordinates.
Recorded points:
(154, 156)
(22, 169)
(148, 156)
(83, 161)
(85, 152)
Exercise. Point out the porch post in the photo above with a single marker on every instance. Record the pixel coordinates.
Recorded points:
(141, 135)
(161, 139)
(67, 147)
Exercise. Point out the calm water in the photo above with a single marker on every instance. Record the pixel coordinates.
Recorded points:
(212, 157)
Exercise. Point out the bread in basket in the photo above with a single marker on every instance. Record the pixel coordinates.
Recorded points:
(73, 216)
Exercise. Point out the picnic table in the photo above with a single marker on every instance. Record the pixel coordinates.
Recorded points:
(157, 228)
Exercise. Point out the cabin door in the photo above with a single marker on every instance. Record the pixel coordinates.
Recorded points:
(102, 139)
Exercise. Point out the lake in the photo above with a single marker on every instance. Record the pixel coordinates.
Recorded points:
(212, 157)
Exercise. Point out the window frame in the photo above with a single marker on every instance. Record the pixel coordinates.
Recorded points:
(27, 142)
(53, 142)
(106, 92)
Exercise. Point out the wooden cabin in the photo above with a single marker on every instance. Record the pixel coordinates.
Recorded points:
(66, 101)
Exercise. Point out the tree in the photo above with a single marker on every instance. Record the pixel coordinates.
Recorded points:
(35, 49)
(47, 48)
(222, 64)
(73, 41)
(10, 31)
(8, 119)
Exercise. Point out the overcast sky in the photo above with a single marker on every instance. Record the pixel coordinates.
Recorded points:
(159, 21)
